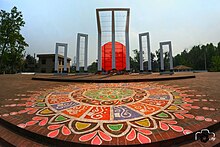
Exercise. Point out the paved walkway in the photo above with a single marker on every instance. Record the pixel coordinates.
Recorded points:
(156, 113)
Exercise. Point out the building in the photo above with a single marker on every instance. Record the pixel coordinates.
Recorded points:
(181, 68)
(46, 63)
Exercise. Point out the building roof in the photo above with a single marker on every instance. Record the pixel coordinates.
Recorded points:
(181, 67)
(52, 55)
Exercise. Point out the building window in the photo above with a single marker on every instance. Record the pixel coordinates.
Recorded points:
(43, 61)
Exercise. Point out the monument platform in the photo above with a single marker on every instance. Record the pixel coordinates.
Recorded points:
(156, 113)
(110, 78)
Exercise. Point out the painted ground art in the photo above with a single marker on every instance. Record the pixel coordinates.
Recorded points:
(104, 113)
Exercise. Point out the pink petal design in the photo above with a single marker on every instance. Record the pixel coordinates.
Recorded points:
(187, 108)
(189, 115)
(179, 116)
(66, 131)
(186, 132)
(53, 127)
(21, 125)
(195, 107)
(105, 136)
(205, 108)
(22, 111)
(186, 105)
(20, 105)
(183, 111)
(37, 118)
(176, 128)
(30, 123)
(87, 137)
(32, 111)
(143, 139)
(96, 140)
(43, 122)
(208, 119)
(144, 131)
(200, 118)
(131, 135)
(212, 109)
(172, 122)
(163, 126)
(53, 134)
(13, 113)
(29, 109)
(12, 105)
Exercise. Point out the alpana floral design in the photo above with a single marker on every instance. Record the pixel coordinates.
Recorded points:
(99, 113)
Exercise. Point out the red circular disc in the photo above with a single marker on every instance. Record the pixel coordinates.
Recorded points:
(120, 56)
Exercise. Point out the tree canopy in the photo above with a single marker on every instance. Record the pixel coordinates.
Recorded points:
(12, 43)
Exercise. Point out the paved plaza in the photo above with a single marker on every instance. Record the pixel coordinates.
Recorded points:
(154, 113)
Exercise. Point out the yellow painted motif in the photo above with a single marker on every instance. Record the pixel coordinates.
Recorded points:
(81, 126)
(144, 122)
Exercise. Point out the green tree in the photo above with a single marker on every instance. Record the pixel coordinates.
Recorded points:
(30, 63)
(215, 63)
(135, 63)
(93, 67)
(12, 43)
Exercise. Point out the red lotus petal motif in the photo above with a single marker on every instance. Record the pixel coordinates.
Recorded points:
(131, 135)
(176, 128)
(30, 123)
(53, 134)
(43, 122)
(32, 111)
(172, 122)
(163, 126)
(96, 140)
(37, 118)
(189, 115)
(21, 125)
(87, 137)
(54, 127)
(186, 132)
(200, 118)
(143, 139)
(66, 131)
(195, 107)
(179, 116)
(105, 136)
(144, 131)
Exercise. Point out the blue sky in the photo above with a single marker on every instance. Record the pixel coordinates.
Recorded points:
(184, 22)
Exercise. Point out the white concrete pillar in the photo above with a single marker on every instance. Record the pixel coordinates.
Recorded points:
(86, 53)
(141, 53)
(149, 52)
(127, 41)
(99, 52)
(161, 57)
(171, 56)
(127, 51)
(65, 58)
(113, 41)
(65, 45)
(77, 52)
(56, 59)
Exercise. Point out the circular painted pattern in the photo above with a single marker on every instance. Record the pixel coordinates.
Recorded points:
(104, 112)
(108, 103)
(109, 93)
